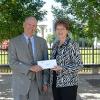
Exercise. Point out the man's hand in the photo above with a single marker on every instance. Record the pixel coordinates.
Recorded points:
(57, 68)
(36, 68)
(45, 88)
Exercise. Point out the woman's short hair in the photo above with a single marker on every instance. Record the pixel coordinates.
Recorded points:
(63, 22)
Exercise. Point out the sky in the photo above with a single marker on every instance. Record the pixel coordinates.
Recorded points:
(49, 17)
(48, 7)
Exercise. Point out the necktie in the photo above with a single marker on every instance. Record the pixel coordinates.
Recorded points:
(31, 76)
(30, 48)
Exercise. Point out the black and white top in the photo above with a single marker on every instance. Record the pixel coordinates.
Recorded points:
(69, 58)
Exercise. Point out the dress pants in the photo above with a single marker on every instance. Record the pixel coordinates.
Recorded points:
(33, 93)
(65, 93)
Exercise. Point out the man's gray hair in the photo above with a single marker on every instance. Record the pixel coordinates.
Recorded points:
(30, 17)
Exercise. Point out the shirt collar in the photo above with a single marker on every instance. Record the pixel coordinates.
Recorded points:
(26, 37)
(66, 41)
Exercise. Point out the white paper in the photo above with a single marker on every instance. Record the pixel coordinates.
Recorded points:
(47, 64)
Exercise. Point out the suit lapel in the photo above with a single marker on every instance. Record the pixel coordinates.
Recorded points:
(36, 45)
(24, 44)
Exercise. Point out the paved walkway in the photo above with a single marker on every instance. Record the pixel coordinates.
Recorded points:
(85, 91)
(88, 91)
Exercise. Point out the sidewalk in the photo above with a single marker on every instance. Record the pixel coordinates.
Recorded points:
(86, 90)
(89, 87)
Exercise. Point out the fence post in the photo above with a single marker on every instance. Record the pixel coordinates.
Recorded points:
(93, 54)
(95, 70)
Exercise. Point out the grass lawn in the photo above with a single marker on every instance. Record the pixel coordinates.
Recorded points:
(87, 56)
(3, 57)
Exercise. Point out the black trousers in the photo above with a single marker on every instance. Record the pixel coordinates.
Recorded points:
(64, 93)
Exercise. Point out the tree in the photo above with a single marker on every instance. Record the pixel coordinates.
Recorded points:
(50, 38)
(13, 12)
(84, 16)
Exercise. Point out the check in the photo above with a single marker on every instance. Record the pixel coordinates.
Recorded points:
(47, 64)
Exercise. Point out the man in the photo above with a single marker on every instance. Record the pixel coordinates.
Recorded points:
(29, 80)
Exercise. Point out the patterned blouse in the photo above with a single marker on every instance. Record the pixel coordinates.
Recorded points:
(68, 57)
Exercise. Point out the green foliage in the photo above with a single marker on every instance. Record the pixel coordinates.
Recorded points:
(83, 15)
(13, 12)
(50, 38)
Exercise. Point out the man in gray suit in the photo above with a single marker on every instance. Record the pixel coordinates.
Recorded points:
(29, 80)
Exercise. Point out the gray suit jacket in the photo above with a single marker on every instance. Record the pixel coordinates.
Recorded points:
(20, 63)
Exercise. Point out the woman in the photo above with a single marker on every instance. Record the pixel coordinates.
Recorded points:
(65, 74)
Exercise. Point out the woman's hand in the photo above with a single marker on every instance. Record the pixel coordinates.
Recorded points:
(57, 68)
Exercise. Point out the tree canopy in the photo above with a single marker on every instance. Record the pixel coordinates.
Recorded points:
(50, 38)
(13, 12)
(83, 15)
